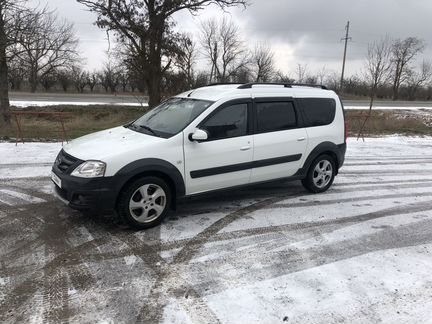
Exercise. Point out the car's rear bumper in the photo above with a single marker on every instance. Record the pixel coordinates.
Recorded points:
(341, 154)
(86, 194)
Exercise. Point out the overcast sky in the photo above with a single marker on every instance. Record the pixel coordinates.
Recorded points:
(306, 32)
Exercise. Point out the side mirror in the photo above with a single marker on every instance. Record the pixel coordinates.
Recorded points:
(199, 135)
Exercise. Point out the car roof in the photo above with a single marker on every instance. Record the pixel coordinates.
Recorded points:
(218, 92)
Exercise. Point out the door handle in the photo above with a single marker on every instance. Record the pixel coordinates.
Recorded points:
(300, 139)
(245, 148)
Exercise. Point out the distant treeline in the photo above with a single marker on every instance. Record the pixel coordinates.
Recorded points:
(39, 52)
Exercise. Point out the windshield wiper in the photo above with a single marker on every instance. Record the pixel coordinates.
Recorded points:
(148, 129)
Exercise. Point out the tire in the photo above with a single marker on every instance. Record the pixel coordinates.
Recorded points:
(144, 203)
(321, 174)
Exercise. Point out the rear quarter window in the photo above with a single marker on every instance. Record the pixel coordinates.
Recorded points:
(318, 111)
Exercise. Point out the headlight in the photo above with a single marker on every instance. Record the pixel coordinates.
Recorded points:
(90, 169)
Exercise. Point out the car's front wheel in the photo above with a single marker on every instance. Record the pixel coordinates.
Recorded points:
(144, 203)
(321, 174)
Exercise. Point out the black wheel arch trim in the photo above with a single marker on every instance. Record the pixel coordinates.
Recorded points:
(150, 165)
(337, 150)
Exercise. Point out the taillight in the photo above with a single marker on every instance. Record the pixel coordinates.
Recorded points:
(346, 131)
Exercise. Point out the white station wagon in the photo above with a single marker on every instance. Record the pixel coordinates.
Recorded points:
(212, 138)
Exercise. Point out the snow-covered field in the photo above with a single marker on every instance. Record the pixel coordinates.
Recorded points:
(44, 103)
(360, 253)
(41, 103)
(390, 107)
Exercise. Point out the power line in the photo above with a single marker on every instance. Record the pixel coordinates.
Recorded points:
(346, 39)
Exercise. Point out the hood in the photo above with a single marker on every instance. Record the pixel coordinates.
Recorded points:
(101, 145)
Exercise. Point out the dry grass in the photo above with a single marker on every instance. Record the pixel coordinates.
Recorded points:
(88, 119)
(83, 120)
(384, 122)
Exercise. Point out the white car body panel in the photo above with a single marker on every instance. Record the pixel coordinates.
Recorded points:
(275, 145)
(119, 146)
(214, 154)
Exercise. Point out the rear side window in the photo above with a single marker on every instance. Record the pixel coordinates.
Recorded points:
(318, 111)
(275, 116)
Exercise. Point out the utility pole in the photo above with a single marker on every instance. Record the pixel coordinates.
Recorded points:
(346, 39)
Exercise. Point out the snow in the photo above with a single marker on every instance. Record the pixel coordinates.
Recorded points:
(40, 103)
(27, 160)
(366, 107)
(359, 253)
(28, 153)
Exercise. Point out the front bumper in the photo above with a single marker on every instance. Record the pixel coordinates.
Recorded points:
(85, 194)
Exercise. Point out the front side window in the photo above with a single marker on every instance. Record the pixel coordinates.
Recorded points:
(170, 117)
(275, 116)
(228, 122)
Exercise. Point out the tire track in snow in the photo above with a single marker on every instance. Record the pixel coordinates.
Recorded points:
(75, 257)
(347, 200)
(293, 261)
(53, 276)
(378, 163)
(289, 261)
(260, 193)
(400, 209)
(406, 209)
(343, 184)
(386, 171)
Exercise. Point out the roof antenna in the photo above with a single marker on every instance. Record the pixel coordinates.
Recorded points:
(190, 93)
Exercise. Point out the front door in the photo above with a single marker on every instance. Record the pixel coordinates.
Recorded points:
(224, 160)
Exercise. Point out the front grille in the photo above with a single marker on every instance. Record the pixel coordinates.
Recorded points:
(66, 163)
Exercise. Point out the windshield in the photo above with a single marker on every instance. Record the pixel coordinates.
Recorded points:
(170, 117)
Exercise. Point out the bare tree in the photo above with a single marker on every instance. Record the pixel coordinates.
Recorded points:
(416, 80)
(301, 72)
(123, 80)
(45, 45)
(79, 78)
(243, 75)
(223, 48)
(92, 80)
(202, 79)
(13, 17)
(16, 74)
(333, 80)
(210, 44)
(282, 77)
(311, 79)
(322, 75)
(111, 74)
(378, 66)
(64, 78)
(186, 60)
(146, 28)
(48, 80)
(402, 53)
(263, 61)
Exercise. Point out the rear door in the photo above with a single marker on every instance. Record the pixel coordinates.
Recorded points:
(224, 160)
(280, 140)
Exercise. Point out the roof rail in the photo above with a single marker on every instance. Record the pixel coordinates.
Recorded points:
(222, 83)
(286, 85)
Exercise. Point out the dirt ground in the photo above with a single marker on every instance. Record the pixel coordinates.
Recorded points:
(359, 253)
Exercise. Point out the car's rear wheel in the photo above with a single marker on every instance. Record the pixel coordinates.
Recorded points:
(321, 174)
(144, 203)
